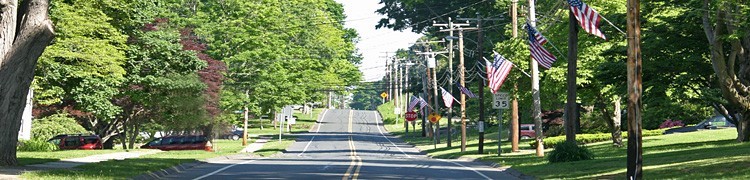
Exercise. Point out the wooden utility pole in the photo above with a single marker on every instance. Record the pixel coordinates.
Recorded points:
(514, 115)
(399, 86)
(451, 27)
(635, 151)
(480, 51)
(571, 107)
(537, 111)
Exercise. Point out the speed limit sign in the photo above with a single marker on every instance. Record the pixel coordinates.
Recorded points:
(500, 101)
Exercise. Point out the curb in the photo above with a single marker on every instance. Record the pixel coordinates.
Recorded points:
(159, 174)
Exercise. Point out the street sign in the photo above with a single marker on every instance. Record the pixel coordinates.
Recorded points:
(434, 117)
(384, 95)
(397, 111)
(500, 101)
(410, 116)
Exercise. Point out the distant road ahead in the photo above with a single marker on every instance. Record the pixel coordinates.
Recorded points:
(348, 144)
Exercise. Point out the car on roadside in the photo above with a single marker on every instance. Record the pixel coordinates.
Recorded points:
(527, 131)
(171, 143)
(76, 141)
(714, 122)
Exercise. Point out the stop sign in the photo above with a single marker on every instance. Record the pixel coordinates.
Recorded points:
(410, 116)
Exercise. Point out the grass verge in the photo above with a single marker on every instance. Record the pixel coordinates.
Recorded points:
(124, 169)
(712, 154)
(28, 158)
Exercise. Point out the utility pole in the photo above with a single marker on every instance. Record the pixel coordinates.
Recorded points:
(244, 111)
(571, 107)
(397, 104)
(480, 51)
(537, 111)
(461, 70)
(406, 71)
(514, 115)
(450, 74)
(635, 151)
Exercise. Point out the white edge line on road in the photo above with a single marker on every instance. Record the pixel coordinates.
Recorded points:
(407, 155)
(469, 168)
(225, 168)
(320, 123)
(377, 116)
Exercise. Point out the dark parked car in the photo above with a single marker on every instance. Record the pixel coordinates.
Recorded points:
(715, 122)
(78, 141)
(234, 135)
(169, 143)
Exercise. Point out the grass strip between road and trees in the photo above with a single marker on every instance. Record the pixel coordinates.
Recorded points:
(123, 169)
(710, 154)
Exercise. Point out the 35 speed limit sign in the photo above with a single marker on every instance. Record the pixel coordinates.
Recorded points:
(500, 101)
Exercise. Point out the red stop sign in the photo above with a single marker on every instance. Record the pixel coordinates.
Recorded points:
(410, 116)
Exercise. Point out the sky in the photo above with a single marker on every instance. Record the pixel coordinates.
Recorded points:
(373, 43)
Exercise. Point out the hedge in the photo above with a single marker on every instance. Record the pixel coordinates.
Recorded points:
(592, 138)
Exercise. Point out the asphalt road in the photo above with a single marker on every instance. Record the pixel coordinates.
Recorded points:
(346, 144)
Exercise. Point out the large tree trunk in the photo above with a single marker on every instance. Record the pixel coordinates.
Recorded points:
(743, 128)
(23, 38)
(613, 118)
(732, 67)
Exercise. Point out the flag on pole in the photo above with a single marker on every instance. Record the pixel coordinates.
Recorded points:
(466, 91)
(587, 17)
(538, 52)
(412, 104)
(500, 70)
(422, 103)
(447, 98)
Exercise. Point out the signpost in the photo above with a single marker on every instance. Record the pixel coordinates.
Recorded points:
(434, 117)
(411, 116)
(383, 95)
(500, 102)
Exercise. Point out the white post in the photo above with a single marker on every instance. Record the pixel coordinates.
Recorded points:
(25, 132)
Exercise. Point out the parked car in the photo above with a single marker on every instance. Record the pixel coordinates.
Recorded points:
(234, 135)
(169, 143)
(78, 141)
(715, 122)
(527, 131)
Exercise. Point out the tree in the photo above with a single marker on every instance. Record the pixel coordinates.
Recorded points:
(726, 26)
(26, 32)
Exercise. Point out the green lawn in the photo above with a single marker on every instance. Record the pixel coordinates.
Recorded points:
(27, 158)
(699, 155)
(137, 166)
(132, 167)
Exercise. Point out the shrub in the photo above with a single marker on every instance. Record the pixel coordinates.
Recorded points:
(35, 145)
(592, 138)
(669, 123)
(50, 126)
(568, 152)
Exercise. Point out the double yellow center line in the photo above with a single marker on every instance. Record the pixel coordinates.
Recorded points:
(356, 163)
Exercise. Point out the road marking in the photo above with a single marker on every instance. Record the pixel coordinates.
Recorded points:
(356, 162)
(320, 123)
(407, 155)
(469, 168)
(225, 168)
(386, 137)
(350, 120)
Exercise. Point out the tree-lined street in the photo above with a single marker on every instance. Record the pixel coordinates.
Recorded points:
(347, 144)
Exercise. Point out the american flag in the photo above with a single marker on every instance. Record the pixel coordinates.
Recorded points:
(412, 104)
(538, 52)
(466, 91)
(447, 98)
(498, 71)
(422, 103)
(587, 17)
